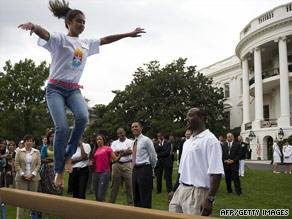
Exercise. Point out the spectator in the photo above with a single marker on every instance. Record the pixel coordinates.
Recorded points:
(27, 166)
(90, 186)
(102, 156)
(232, 152)
(2, 173)
(276, 155)
(20, 145)
(10, 173)
(200, 169)
(46, 184)
(123, 168)
(243, 156)
(45, 142)
(287, 153)
(173, 148)
(164, 162)
(79, 176)
(144, 160)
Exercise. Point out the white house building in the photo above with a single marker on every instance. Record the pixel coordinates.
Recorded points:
(257, 81)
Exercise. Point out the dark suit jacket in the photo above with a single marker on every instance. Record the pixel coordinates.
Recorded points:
(163, 154)
(235, 154)
(244, 150)
(173, 150)
(181, 144)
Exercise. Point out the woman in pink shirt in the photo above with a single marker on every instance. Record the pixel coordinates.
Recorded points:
(102, 171)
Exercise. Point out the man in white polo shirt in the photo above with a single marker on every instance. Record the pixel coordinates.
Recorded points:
(200, 168)
(123, 168)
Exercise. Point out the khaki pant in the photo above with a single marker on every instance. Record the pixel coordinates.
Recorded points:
(28, 186)
(119, 171)
(188, 199)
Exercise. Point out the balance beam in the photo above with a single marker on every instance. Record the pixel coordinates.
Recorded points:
(72, 208)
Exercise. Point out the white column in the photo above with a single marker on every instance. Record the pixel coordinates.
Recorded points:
(259, 114)
(284, 119)
(245, 92)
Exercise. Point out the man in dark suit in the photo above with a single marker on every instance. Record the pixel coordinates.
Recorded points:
(231, 153)
(173, 148)
(164, 162)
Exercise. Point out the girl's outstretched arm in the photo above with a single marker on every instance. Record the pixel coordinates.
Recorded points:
(34, 28)
(112, 38)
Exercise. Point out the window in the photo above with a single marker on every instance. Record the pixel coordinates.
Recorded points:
(290, 63)
(266, 112)
(226, 90)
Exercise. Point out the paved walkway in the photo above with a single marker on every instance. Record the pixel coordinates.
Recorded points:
(262, 165)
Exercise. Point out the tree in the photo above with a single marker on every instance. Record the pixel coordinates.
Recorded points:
(22, 100)
(159, 98)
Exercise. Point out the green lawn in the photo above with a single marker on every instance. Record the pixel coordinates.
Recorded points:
(261, 190)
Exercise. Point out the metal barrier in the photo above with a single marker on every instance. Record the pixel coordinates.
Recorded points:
(68, 207)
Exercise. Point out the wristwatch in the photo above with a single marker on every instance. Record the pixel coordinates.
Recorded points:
(211, 198)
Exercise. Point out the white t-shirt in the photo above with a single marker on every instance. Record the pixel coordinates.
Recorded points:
(69, 55)
(201, 157)
(83, 163)
(123, 145)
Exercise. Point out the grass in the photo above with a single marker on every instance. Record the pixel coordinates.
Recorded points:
(261, 190)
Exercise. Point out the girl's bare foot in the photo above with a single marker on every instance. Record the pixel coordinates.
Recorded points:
(59, 181)
(68, 165)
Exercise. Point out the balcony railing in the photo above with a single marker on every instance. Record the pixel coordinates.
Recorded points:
(277, 14)
(248, 126)
(268, 123)
(266, 74)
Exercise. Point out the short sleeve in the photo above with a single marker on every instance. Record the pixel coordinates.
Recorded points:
(52, 43)
(94, 45)
(110, 151)
(87, 148)
(113, 146)
(214, 154)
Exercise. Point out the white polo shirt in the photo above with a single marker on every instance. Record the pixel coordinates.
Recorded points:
(201, 157)
(83, 163)
(123, 145)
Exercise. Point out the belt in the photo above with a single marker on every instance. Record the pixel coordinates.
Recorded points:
(142, 165)
(79, 168)
(187, 185)
(125, 162)
(65, 84)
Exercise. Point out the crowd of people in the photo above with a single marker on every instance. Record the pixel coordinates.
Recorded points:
(203, 161)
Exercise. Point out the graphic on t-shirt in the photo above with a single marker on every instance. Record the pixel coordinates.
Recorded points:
(77, 59)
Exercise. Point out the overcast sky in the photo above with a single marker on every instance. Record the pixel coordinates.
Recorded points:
(203, 31)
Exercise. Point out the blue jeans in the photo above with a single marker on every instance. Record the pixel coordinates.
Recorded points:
(57, 98)
(3, 211)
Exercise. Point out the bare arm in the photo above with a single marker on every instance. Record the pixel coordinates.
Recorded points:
(115, 158)
(34, 28)
(206, 208)
(47, 160)
(112, 38)
(127, 152)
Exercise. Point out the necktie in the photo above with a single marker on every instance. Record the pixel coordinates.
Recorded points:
(229, 148)
(134, 153)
